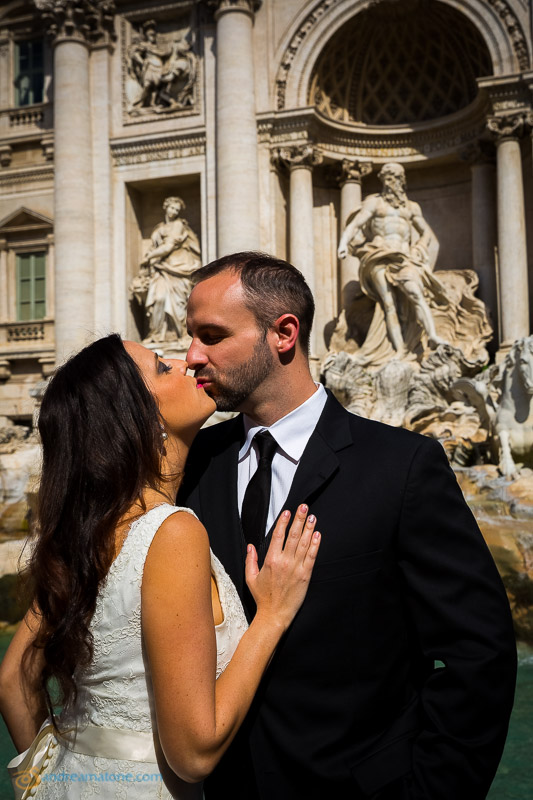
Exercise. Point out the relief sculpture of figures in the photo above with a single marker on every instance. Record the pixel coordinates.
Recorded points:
(164, 282)
(161, 71)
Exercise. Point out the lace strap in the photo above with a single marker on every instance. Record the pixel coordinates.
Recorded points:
(140, 536)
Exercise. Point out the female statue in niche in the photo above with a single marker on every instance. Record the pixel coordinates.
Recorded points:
(164, 282)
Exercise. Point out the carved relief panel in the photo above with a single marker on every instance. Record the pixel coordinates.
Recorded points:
(160, 68)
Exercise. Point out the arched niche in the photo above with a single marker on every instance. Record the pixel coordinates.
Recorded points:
(414, 64)
(320, 20)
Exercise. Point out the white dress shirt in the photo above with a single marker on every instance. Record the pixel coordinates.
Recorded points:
(291, 432)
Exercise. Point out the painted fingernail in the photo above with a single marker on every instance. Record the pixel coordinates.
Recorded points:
(311, 519)
(316, 536)
(249, 548)
(286, 513)
(303, 509)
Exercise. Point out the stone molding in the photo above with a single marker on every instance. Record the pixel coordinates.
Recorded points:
(514, 32)
(353, 171)
(289, 55)
(86, 21)
(161, 149)
(31, 175)
(339, 140)
(507, 127)
(302, 156)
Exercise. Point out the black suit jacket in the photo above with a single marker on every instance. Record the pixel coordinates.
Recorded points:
(353, 700)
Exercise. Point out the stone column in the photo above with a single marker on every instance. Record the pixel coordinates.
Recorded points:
(480, 157)
(73, 25)
(100, 114)
(300, 160)
(236, 128)
(4, 310)
(352, 173)
(512, 253)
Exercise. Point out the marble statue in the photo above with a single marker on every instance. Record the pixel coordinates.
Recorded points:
(503, 399)
(416, 309)
(164, 282)
(425, 331)
(391, 238)
(163, 72)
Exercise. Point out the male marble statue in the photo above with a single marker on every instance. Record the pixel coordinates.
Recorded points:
(392, 239)
(396, 679)
(164, 283)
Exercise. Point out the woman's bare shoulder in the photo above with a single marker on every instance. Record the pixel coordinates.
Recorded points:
(180, 540)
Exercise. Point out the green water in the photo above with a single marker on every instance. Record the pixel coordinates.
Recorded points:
(513, 781)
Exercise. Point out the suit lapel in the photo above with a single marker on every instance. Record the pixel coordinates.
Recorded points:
(319, 460)
(219, 504)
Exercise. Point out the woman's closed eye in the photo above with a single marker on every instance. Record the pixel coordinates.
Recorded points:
(162, 367)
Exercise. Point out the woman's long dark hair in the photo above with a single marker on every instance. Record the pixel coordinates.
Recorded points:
(101, 435)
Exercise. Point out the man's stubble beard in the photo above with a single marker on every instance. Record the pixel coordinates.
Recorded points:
(239, 382)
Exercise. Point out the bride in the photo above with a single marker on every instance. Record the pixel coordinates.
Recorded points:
(134, 627)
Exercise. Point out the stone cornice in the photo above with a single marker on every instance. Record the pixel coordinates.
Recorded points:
(339, 140)
(141, 151)
(86, 21)
(13, 177)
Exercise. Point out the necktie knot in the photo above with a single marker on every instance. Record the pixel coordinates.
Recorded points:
(266, 445)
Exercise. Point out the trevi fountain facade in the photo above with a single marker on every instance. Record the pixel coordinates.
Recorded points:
(384, 147)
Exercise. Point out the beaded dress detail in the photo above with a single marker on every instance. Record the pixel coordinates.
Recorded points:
(116, 690)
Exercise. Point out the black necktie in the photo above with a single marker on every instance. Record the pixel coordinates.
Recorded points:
(256, 499)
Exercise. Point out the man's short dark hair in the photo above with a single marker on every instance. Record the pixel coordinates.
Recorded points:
(271, 287)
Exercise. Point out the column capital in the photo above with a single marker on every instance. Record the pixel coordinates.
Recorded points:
(223, 6)
(478, 153)
(353, 171)
(302, 156)
(513, 125)
(86, 21)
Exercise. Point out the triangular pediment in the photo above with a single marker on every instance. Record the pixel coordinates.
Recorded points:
(23, 219)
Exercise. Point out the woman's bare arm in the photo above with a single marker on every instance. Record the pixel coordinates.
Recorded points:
(198, 716)
(21, 703)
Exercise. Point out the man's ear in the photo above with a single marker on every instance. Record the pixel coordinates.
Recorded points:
(286, 329)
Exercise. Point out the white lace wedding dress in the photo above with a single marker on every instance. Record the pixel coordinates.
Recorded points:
(115, 751)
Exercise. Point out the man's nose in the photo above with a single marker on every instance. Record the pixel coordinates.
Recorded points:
(196, 356)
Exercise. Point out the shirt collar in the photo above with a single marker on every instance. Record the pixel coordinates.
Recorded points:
(291, 432)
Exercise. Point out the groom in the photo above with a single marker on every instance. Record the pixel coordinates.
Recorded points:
(396, 679)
